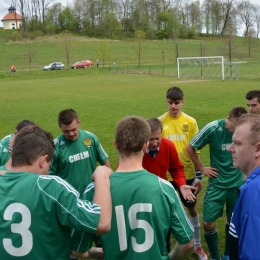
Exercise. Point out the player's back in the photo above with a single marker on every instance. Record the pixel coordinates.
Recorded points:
(144, 207)
(29, 225)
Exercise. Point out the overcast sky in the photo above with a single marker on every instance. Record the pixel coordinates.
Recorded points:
(4, 7)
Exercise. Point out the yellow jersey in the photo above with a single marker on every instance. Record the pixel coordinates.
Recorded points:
(180, 131)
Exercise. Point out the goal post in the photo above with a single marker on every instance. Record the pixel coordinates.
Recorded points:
(201, 66)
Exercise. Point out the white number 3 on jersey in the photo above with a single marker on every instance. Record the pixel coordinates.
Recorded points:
(21, 228)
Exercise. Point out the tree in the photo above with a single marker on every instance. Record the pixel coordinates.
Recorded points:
(68, 46)
(105, 51)
(194, 16)
(257, 19)
(30, 53)
(67, 20)
(230, 9)
(52, 15)
(206, 15)
(139, 38)
(246, 14)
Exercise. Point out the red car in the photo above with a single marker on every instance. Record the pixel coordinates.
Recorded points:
(81, 64)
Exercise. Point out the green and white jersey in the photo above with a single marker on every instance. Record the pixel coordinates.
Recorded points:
(75, 161)
(4, 149)
(144, 208)
(37, 214)
(217, 136)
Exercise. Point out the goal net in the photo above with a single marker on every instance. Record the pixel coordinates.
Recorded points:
(201, 67)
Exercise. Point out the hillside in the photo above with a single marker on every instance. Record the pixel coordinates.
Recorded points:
(157, 52)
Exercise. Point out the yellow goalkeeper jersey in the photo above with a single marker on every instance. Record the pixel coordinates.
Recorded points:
(180, 131)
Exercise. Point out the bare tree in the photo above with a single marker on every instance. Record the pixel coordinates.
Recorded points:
(206, 12)
(229, 16)
(257, 19)
(68, 46)
(194, 16)
(43, 6)
(53, 13)
(246, 14)
(30, 53)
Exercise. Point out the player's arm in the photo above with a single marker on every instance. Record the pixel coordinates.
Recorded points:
(102, 197)
(180, 251)
(176, 168)
(176, 171)
(208, 171)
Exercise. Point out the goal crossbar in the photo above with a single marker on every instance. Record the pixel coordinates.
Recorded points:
(201, 58)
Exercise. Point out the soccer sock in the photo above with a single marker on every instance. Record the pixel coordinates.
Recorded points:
(196, 224)
(226, 252)
(211, 237)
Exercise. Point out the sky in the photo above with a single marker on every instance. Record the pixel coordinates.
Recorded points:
(4, 7)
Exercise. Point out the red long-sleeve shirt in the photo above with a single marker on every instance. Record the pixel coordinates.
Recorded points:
(166, 160)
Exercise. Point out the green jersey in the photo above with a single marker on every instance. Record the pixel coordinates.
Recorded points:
(75, 161)
(37, 214)
(3, 168)
(4, 149)
(144, 208)
(219, 139)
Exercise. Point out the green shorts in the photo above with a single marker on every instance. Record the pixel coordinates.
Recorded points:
(215, 200)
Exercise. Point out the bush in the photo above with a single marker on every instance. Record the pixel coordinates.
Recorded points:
(15, 36)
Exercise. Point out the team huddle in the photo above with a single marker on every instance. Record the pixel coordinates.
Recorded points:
(57, 204)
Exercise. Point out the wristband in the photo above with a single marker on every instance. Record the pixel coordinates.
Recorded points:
(198, 175)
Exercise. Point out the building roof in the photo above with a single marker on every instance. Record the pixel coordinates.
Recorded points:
(12, 16)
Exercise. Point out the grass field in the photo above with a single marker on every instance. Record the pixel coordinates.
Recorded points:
(102, 98)
(123, 53)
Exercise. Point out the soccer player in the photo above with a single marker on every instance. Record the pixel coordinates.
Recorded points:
(179, 128)
(144, 206)
(245, 223)
(224, 179)
(38, 211)
(253, 101)
(161, 156)
(76, 152)
(7, 142)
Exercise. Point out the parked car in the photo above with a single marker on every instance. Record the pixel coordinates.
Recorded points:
(54, 66)
(82, 64)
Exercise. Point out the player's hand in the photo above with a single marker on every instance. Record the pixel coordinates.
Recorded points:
(101, 171)
(210, 172)
(10, 147)
(96, 253)
(187, 192)
(92, 253)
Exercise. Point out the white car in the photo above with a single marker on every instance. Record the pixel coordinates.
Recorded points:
(54, 66)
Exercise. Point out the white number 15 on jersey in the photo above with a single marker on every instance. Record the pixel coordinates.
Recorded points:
(134, 223)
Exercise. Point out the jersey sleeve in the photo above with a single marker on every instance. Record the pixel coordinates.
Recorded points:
(202, 138)
(180, 225)
(101, 154)
(70, 209)
(82, 241)
(54, 163)
(176, 169)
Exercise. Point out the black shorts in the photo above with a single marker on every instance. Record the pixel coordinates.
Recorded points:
(186, 203)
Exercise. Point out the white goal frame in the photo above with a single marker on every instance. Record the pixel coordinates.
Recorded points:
(201, 58)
